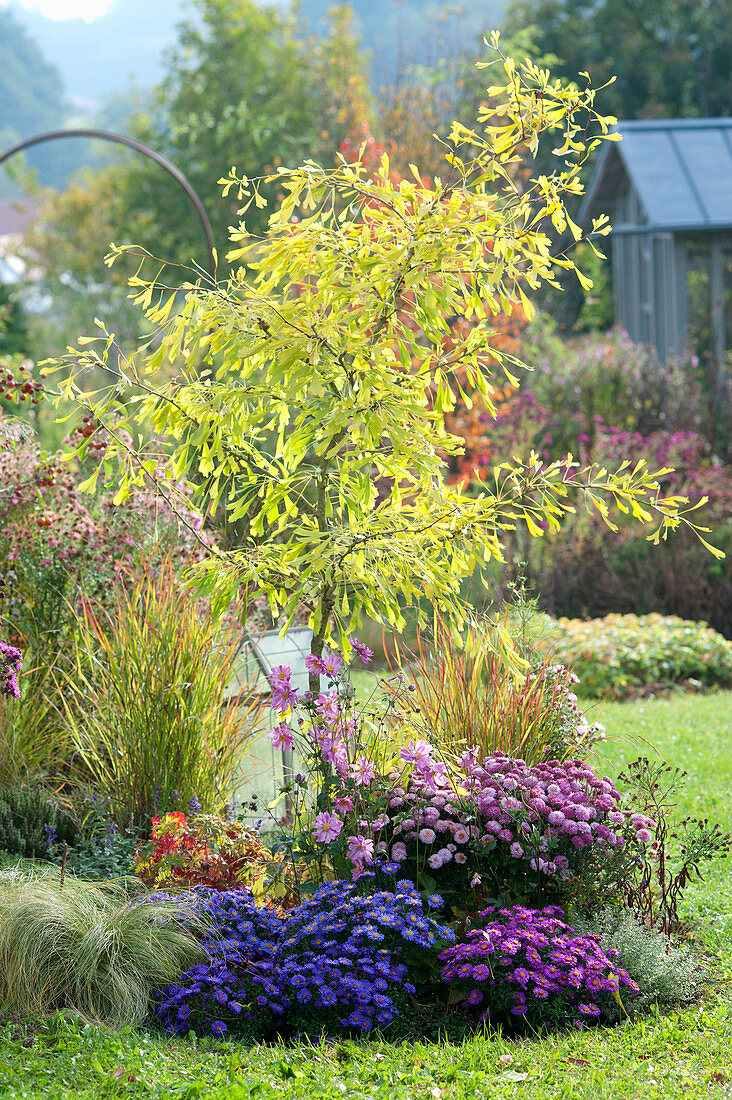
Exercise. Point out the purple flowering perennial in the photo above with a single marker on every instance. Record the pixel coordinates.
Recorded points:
(333, 962)
(528, 966)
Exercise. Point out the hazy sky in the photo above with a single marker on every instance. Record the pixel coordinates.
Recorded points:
(67, 9)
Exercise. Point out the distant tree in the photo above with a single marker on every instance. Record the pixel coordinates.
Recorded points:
(13, 324)
(31, 91)
(31, 98)
(242, 88)
(671, 58)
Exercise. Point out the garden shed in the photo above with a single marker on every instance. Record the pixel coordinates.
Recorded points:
(667, 188)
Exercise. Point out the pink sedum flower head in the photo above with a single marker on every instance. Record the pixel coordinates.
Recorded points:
(281, 737)
(327, 827)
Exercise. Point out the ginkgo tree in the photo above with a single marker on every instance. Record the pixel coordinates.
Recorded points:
(306, 394)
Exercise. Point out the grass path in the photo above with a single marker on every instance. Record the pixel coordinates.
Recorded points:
(679, 1056)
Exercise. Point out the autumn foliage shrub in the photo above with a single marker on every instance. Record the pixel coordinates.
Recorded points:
(206, 850)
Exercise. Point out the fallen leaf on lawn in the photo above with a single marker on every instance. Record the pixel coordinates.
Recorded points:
(578, 1061)
(506, 1059)
(718, 1077)
(119, 1072)
(513, 1075)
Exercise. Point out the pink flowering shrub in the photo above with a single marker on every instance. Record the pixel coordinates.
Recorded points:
(527, 967)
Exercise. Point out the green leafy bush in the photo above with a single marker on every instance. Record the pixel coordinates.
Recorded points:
(30, 823)
(624, 655)
(664, 972)
(70, 945)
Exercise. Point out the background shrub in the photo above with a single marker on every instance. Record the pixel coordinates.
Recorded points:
(622, 655)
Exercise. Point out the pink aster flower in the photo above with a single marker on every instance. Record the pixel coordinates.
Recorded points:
(461, 835)
(362, 772)
(326, 827)
(280, 674)
(426, 835)
(281, 737)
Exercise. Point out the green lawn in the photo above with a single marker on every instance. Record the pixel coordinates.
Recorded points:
(686, 1054)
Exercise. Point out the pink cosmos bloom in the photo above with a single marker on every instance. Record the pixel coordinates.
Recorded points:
(315, 665)
(362, 650)
(343, 804)
(360, 849)
(327, 704)
(281, 737)
(283, 697)
(417, 753)
(280, 674)
(326, 827)
(362, 772)
(332, 664)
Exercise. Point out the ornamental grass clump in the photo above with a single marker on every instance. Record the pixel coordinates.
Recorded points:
(146, 701)
(342, 961)
(71, 946)
(463, 692)
(526, 967)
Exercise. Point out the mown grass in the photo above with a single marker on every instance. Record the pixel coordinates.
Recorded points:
(684, 1054)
